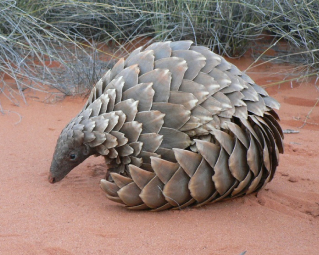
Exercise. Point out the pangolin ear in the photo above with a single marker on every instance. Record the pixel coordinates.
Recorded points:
(87, 150)
(78, 137)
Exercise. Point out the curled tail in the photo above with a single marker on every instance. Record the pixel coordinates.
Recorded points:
(232, 162)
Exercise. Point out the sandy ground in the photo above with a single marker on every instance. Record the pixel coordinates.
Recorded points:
(74, 217)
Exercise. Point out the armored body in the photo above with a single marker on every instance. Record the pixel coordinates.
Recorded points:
(178, 125)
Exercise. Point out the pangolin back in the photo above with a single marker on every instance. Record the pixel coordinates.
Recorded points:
(181, 126)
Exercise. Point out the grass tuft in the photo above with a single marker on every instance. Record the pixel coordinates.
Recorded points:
(61, 43)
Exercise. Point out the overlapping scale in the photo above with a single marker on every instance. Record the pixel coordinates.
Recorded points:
(184, 126)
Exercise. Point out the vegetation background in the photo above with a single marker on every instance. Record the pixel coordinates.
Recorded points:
(61, 43)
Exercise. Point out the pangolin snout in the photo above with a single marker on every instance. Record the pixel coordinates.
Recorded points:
(51, 179)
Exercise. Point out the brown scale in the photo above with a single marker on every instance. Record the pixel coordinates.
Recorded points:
(179, 126)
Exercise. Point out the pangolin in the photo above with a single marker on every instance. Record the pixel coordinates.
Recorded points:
(178, 125)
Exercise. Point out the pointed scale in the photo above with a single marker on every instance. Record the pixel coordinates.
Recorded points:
(221, 78)
(266, 155)
(259, 90)
(227, 114)
(152, 194)
(202, 114)
(175, 115)
(109, 187)
(176, 190)
(181, 45)
(128, 107)
(102, 150)
(212, 59)
(116, 84)
(257, 107)
(253, 156)
(90, 98)
(195, 62)
(192, 123)
(137, 110)
(188, 160)
(176, 66)
(198, 90)
(256, 181)
(208, 150)
(188, 100)
(160, 49)
(249, 93)
(222, 178)
(274, 121)
(95, 106)
(201, 184)
(241, 112)
(238, 161)
(121, 120)
(268, 141)
(239, 133)
(137, 147)
(227, 193)
(161, 80)
(112, 98)
(209, 82)
(124, 150)
(120, 138)
(243, 185)
(133, 54)
(120, 180)
(110, 141)
(78, 137)
(225, 140)
(246, 78)
(224, 65)
(138, 207)
(164, 169)
(236, 98)
(212, 105)
(131, 130)
(143, 93)
(271, 102)
(235, 84)
(100, 123)
(106, 78)
(113, 120)
(140, 176)
(129, 194)
(99, 139)
(105, 101)
(173, 138)
(276, 131)
(130, 76)
(144, 60)
(88, 137)
(224, 100)
(151, 141)
(152, 121)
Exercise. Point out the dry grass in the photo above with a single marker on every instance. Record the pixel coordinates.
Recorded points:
(37, 34)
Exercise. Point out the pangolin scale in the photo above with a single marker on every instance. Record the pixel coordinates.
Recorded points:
(178, 125)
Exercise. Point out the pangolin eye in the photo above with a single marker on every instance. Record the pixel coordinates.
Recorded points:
(72, 156)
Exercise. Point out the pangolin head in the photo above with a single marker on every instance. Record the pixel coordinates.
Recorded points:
(87, 134)
(70, 151)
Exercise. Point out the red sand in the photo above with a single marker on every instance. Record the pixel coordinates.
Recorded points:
(74, 217)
